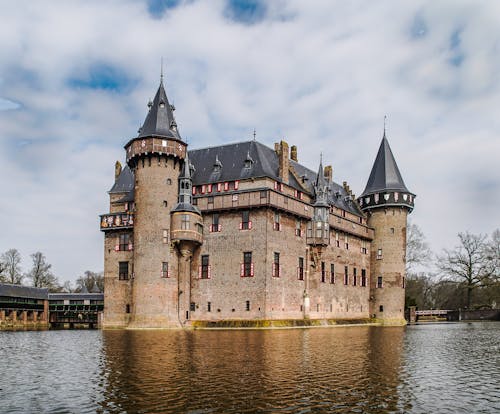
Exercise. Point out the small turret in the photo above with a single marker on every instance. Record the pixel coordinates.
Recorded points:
(187, 223)
(319, 227)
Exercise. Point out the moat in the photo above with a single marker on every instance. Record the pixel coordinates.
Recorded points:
(438, 368)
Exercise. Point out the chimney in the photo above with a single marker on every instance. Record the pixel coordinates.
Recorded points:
(118, 169)
(283, 160)
(293, 153)
(328, 173)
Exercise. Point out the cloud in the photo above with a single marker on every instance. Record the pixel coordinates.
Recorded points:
(77, 77)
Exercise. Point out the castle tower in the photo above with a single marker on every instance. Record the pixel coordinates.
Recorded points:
(387, 202)
(186, 234)
(156, 157)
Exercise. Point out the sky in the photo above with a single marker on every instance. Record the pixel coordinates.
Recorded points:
(76, 76)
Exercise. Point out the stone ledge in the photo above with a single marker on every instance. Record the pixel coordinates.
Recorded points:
(279, 324)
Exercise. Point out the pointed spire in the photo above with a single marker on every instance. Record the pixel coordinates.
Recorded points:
(385, 173)
(321, 186)
(160, 121)
(320, 178)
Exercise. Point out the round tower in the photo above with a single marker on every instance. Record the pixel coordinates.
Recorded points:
(155, 156)
(387, 203)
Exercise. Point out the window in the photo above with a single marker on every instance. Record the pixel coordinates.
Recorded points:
(247, 306)
(165, 236)
(379, 282)
(185, 222)
(323, 272)
(300, 269)
(123, 270)
(215, 226)
(332, 273)
(204, 271)
(164, 270)
(245, 224)
(403, 282)
(298, 194)
(199, 228)
(381, 308)
(209, 306)
(226, 186)
(392, 230)
(263, 194)
(192, 306)
(346, 275)
(363, 247)
(247, 265)
(276, 225)
(127, 308)
(210, 200)
(124, 242)
(337, 241)
(219, 187)
(379, 254)
(276, 265)
(209, 189)
(346, 242)
(363, 277)
(298, 229)
(354, 277)
(278, 186)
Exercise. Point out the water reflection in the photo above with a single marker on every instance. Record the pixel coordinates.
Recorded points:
(317, 370)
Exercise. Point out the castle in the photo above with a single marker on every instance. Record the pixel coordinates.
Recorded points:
(245, 232)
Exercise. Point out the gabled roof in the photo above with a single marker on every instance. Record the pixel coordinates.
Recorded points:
(160, 121)
(385, 173)
(124, 183)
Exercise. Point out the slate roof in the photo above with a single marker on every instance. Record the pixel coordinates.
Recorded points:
(238, 161)
(385, 173)
(124, 183)
(76, 296)
(160, 121)
(19, 291)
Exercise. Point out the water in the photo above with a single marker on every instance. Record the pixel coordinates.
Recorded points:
(442, 368)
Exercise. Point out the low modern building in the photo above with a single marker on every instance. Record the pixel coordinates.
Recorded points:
(244, 232)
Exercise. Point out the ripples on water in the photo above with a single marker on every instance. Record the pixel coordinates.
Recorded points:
(445, 368)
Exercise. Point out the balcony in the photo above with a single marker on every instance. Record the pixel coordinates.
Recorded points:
(117, 221)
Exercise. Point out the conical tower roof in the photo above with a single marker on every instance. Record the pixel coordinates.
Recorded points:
(385, 173)
(160, 121)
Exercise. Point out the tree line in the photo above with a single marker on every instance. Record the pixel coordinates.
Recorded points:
(466, 276)
(41, 276)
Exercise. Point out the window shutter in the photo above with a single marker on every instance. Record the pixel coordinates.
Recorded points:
(209, 190)
(203, 189)
(249, 225)
(236, 183)
(274, 270)
(220, 227)
(117, 247)
(131, 246)
(200, 275)
(219, 186)
(226, 186)
(194, 189)
(210, 271)
(295, 193)
(275, 185)
(251, 269)
(241, 225)
(242, 270)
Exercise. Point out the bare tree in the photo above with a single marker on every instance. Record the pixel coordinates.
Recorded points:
(40, 274)
(11, 266)
(466, 263)
(90, 281)
(492, 255)
(417, 249)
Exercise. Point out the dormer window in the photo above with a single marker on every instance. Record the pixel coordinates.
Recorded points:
(217, 164)
(248, 161)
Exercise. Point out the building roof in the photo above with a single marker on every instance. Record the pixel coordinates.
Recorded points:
(19, 291)
(124, 183)
(243, 160)
(76, 296)
(160, 121)
(385, 173)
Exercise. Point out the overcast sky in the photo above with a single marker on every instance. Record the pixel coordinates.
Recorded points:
(75, 78)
